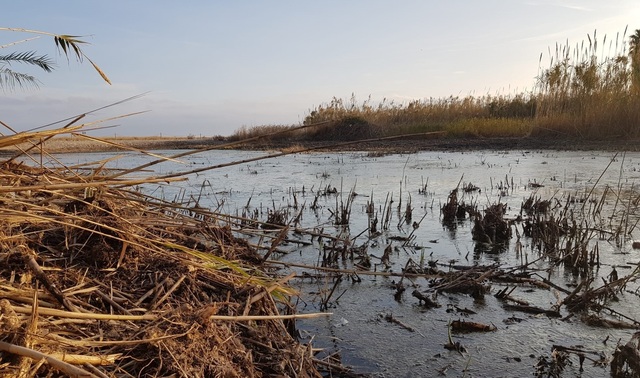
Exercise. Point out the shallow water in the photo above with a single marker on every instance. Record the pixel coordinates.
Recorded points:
(357, 328)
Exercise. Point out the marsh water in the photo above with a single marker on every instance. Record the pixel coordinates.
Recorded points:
(358, 331)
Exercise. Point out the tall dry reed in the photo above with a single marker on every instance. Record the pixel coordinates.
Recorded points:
(590, 89)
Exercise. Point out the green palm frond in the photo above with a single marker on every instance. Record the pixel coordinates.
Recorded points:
(67, 44)
(11, 79)
(28, 57)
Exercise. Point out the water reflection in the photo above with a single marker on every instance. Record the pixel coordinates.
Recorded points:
(315, 192)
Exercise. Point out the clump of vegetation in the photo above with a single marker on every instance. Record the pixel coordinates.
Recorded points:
(246, 132)
(391, 118)
(347, 128)
(161, 297)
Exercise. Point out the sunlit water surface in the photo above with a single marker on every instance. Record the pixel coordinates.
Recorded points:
(357, 329)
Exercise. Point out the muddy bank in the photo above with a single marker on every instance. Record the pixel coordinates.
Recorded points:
(65, 145)
(400, 145)
(411, 145)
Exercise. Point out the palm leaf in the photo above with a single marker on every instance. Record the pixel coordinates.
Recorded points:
(29, 57)
(11, 79)
(68, 44)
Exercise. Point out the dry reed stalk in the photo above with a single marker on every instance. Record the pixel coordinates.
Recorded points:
(271, 156)
(79, 359)
(15, 139)
(352, 271)
(128, 148)
(62, 366)
(52, 337)
(129, 264)
(83, 315)
(247, 318)
(223, 146)
(94, 184)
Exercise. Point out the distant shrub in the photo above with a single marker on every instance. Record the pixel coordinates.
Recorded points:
(512, 107)
(266, 130)
(347, 129)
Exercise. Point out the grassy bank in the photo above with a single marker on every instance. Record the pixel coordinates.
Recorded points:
(590, 90)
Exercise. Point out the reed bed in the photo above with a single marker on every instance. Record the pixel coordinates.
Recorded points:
(589, 90)
(98, 279)
(345, 120)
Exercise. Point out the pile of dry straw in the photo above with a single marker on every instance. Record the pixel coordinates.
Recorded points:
(99, 280)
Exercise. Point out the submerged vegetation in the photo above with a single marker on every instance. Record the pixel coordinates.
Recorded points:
(590, 90)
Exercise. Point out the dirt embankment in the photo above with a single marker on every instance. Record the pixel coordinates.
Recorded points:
(412, 145)
(399, 145)
(77, 144)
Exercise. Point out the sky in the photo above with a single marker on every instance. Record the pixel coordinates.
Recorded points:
(207, 68)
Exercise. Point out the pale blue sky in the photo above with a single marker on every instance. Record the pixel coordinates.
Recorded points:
(211, 67)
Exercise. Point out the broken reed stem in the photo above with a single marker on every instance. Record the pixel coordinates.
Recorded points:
(151, 291)
(80, 359)
(351, 271)
(417, 225)
(282, 235)
(83, 315)
(113, 303)
(42, 277)
(598, 180)
(105, 343)
(217, 147)
(247, 318)
(76, 185)
(95, 371)
(271, 288)
(168, 293)
(386, 212)
(325, 301)
(124, 147)
(64, 367)
(331, 146)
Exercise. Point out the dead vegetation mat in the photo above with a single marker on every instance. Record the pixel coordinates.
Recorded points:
(100, 280)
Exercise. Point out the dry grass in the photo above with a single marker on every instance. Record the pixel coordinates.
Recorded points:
(468, 116)
(245, 132)
(98, 279)
(585, 92)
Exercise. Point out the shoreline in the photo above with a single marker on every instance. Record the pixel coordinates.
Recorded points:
(400, 145)
(106, 144)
